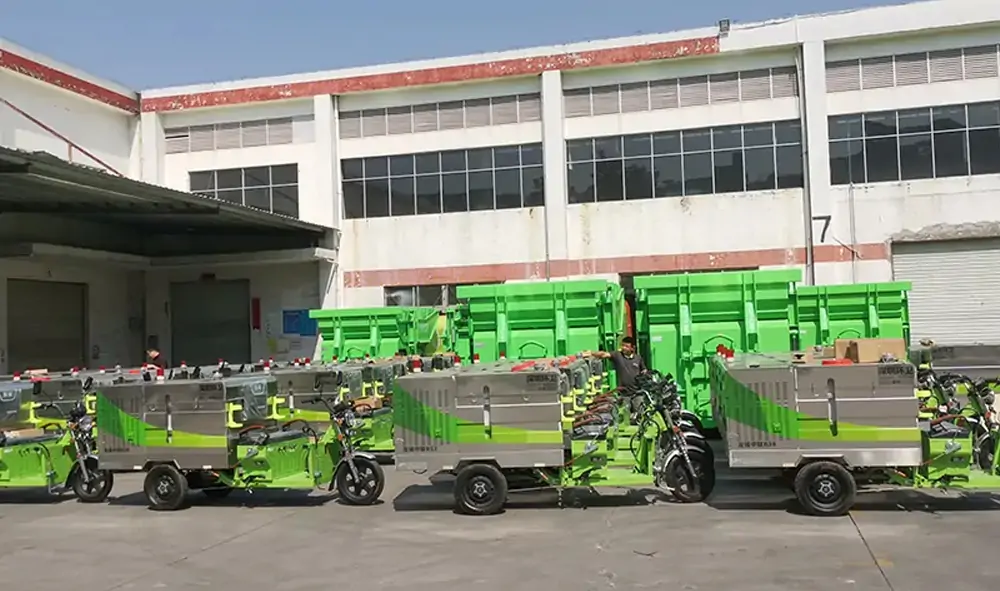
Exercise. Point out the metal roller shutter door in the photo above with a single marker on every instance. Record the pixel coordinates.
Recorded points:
(46, 325)
(210, 320)
(955, 299)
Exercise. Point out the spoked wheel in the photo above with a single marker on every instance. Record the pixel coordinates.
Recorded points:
(366, 488)
(480, 489)
(96, 488)
(685, 486)
(165, 487)
(825, 489)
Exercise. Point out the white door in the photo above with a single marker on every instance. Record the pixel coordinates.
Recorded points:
(210, 320)
(955, 299)
(46, 325)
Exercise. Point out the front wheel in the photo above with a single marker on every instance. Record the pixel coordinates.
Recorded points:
(366, 488)
(480, 489)
(685, 486)
(165, 487)
(96, 488)
(986, 449)
(825, 489)
(702, 445)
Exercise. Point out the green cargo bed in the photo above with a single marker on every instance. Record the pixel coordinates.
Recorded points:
(544, 319)
(682, 319)
(380, 332)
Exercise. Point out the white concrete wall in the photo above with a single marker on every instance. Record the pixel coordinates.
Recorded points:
(105, 132)
(863, 219)
(279, 287)
(107, 298)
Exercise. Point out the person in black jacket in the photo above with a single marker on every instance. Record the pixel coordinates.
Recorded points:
(626, 362)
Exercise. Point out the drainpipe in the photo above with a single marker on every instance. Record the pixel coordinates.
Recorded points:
(548, 255)
(807, 191)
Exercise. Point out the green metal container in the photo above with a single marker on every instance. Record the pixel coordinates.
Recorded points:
(544, 319)
(825, 313)
(457, 330)
(380, 332)
(682, 319)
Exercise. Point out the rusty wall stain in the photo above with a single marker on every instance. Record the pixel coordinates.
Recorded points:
(42, 73)
(444, 75)
(654, 263)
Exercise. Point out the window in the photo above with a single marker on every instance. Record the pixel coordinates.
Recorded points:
(730, 159)
(269, 188)
(425, 295)
(468, 114)
(913, 144)
(242, 134)
(455, 181)
(672, 93)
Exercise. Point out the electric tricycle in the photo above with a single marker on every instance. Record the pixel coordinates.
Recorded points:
(504, 427)
(837, 428)
(218, 434)
(43, 447)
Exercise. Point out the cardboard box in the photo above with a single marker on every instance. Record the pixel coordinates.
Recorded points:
(371, 402)
(24, 434)
(869, 350)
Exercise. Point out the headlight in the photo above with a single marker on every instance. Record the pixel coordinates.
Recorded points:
(86, 423)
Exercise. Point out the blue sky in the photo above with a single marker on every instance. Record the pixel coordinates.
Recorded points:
(154, 44)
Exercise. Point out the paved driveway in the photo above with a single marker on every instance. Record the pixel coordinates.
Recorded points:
(749, 538)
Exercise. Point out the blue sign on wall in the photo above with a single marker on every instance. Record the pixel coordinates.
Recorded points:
(298, 322)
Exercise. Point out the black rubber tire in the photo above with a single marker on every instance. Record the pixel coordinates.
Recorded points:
(984, 458)
(825, 489)
(480, 489)
(217, 492)
(165, 487)
(96, 490)
(704, 446)
(678, 477)
(372, 482)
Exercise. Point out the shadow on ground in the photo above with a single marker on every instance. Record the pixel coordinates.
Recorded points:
(33, 496)
(438, 495)
(243, 499)
(771, 495)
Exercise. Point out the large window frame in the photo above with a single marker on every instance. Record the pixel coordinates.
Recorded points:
(451, 181)
(273, 188)
(945, 141)
(685, 163)
(435, 295)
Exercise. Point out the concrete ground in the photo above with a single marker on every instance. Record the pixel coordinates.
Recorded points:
(748, 538)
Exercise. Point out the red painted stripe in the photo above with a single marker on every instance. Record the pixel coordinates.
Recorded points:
(74, 84)
(444, 75)
(697, 261)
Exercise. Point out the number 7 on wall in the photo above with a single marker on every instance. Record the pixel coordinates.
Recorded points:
(826, 219)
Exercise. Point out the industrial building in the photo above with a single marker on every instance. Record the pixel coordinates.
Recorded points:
(862, 146)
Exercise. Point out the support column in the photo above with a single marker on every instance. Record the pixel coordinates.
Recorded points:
(152, 144)
(331, 279)
(554, 168)
(817, 204)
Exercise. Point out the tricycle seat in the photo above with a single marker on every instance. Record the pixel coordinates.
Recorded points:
(266, 436)
(944, 430)
(590, 431)
(285, 435)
